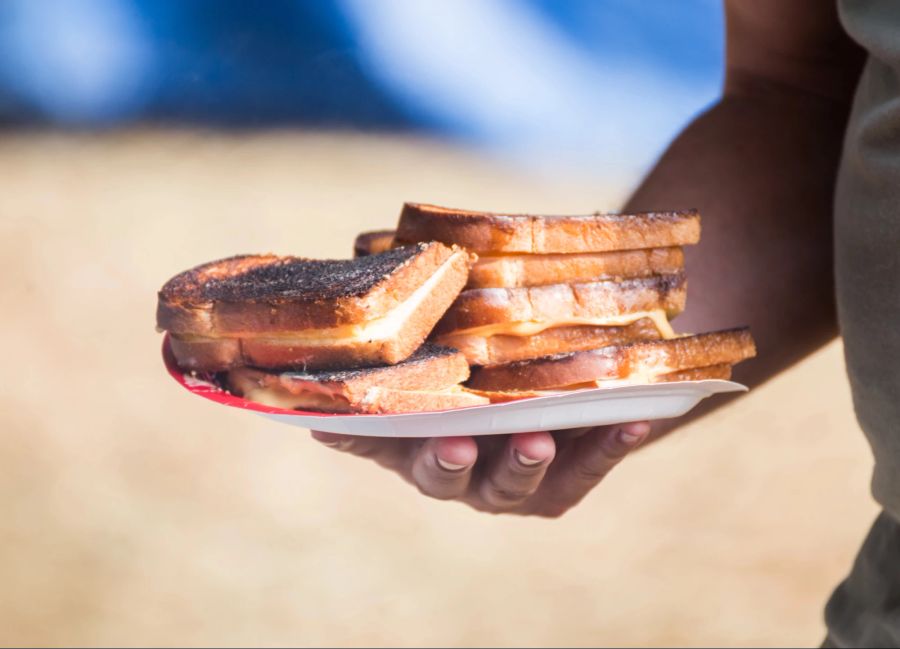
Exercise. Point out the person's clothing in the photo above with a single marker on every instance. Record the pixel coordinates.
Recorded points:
(865, 609)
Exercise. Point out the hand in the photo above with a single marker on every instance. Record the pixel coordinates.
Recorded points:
(540, 474)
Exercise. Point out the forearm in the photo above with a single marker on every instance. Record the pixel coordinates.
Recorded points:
(760, 166)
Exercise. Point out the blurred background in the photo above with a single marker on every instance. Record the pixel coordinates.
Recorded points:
(603, 83)
(141, 137)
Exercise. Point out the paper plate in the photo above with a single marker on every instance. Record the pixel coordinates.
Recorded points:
(595, 407)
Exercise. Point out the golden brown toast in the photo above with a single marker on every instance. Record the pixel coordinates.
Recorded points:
(512, 271)
(428, 380)
(637, 362)
(500, 348)
(516, 270)
(561, 304)
(721, 372)
(485, 232)
(297, 313)
(372, 243)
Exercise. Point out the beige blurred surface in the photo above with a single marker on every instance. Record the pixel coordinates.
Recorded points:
(131, 512)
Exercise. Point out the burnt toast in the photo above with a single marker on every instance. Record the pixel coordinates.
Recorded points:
(271, 311)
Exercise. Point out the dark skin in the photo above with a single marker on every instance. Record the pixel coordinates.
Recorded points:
(761, 167)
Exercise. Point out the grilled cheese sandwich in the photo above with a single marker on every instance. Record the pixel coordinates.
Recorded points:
(428, 380)
(631, 363)
(382, 328)
(286, 312)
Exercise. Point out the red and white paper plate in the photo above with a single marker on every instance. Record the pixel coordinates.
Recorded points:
(577, 409)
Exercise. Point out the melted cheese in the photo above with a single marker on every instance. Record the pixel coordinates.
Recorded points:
(638, 377)
(530, 328)
(304, 400)
(382, 328)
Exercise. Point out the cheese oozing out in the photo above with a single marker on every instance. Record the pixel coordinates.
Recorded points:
(305, 400)
(530, 328)
(636, 377)
(382, 328)
(640, 376)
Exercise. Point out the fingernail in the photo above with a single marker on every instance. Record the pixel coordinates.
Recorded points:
(449, 466)
(331, 444)
(628, 438)
(526, 461)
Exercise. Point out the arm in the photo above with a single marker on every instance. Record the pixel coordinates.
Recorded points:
(760, 165)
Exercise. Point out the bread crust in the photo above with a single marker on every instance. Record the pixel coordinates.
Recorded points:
(223, 353)
(617, 362)
(498, 349)
(513, 271)
(485, 232)
(188, 305)
(722, 372)
(373, 242)
(556, 302)
(517, 270)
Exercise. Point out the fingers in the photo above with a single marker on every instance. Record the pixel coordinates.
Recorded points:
(442, 467)
(517, 471)
(586, 463)
(388, 452)
(509, 474)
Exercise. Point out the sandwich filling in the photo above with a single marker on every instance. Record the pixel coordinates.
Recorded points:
(530, 328)
(312, 399)
(383, 328)
(635, 377)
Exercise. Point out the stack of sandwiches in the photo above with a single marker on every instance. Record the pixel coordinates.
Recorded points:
(452, 309)
(561, 303)
(329, 335)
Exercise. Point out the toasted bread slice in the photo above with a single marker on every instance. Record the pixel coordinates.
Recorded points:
(272, 311)
(428, 380)
(372, 243)
(485, 232)
(500, 348)
(487, 311)
(512, 271)
(722, 372)
(266, 293)
(517, 270)
(638, 362)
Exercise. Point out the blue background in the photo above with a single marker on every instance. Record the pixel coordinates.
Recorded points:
(583, 79)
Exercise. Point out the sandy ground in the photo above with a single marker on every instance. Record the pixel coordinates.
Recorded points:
(133, 513)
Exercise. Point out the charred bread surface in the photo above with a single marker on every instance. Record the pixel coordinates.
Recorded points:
(276, 331)
(253, 294)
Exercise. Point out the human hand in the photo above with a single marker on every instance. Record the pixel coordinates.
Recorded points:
(539, 474)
